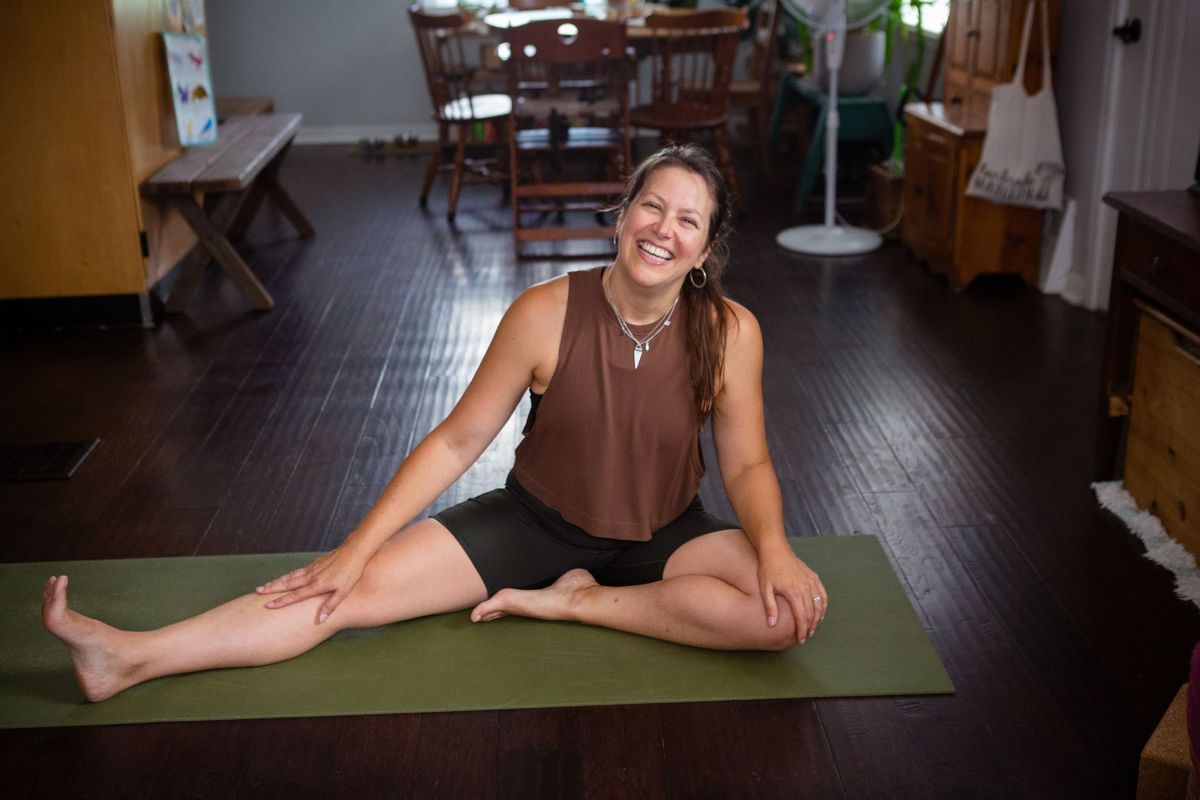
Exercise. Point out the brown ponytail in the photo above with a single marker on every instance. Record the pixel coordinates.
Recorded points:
(707, 308)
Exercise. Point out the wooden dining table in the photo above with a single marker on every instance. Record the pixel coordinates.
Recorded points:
(634, 16)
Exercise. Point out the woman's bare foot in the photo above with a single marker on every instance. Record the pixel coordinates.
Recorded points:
(553, 602)
(94, 646)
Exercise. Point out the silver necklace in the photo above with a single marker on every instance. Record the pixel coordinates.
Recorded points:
(641, 345)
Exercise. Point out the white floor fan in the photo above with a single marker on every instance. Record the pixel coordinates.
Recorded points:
(828, 20)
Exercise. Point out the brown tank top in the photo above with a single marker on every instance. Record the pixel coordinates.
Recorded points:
(613, 449)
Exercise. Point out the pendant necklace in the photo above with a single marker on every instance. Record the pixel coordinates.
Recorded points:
(641, 346)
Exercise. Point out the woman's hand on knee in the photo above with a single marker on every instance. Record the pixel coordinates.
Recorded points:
(782, 575)
(334, 574)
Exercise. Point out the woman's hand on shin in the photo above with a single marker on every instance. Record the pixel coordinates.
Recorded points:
(333, 574)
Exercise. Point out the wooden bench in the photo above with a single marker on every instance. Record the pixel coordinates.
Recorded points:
(238, 106)
(234, 176)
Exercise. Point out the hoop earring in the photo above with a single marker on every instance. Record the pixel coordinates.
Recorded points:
(703, 277)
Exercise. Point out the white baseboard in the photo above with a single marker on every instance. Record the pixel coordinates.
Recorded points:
(349, 134)
(1076, 290)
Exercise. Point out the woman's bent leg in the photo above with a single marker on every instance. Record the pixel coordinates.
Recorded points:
(420, 571)
(708, 597)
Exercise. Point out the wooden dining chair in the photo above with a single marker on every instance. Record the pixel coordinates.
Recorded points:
(690, 76)
(569, 146)
(756, 94)
(456, 108)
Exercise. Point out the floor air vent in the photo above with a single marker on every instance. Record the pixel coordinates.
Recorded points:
(43, 462)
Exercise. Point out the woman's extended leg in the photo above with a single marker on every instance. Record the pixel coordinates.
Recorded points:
(421, 570)
(708, 597)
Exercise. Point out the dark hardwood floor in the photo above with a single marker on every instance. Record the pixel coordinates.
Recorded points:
(959, 428)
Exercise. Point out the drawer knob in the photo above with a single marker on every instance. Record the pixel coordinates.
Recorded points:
(1157, 267)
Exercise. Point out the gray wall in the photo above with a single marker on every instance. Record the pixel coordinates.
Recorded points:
(351, 68)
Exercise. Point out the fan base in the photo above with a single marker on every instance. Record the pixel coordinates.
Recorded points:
(829, 240)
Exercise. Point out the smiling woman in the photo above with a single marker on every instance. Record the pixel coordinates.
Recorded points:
(599, 521)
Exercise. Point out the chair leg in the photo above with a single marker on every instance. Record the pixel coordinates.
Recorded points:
(435, 161)
(760, 117)
(725, 162)
(460, 155)
(514, 180)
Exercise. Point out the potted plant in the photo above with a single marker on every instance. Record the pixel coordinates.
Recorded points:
(896, 29)
(869, 51)
(885, 182)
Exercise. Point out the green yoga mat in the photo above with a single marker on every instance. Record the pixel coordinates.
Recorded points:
(871, 643)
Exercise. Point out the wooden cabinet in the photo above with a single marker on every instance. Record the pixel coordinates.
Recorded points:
(1151, 375)
(983, 41)
(959, 236)
(929, 192)
(85, 94)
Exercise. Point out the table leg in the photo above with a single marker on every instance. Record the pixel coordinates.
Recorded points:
(267, 184)
(783, 98)
(284, 202)
(725, 162)
(254, 198)
(219, 208)
(213, 240)
(460, 152)
(189, 278)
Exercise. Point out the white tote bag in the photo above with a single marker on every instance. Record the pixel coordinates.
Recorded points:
(1022, 163)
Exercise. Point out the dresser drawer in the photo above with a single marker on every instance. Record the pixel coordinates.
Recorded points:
(1159, 266)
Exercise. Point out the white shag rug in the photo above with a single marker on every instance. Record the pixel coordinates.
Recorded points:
(1160, 548)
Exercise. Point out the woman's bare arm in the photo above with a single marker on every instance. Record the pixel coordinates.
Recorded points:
(522, 353)
(751, 483)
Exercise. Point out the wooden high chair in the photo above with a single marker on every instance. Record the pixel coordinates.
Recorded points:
(569, 86)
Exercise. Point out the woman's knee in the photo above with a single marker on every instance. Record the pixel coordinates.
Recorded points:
(782, 635)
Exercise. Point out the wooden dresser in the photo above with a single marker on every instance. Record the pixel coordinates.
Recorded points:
(1150, 392)
(957, 236)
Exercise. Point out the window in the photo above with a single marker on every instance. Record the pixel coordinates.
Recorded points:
(934, 14)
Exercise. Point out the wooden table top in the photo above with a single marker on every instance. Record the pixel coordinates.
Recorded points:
(634, 17)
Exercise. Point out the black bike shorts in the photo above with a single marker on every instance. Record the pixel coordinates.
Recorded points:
(516, 541)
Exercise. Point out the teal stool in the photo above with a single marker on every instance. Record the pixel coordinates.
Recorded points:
(861, 117)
